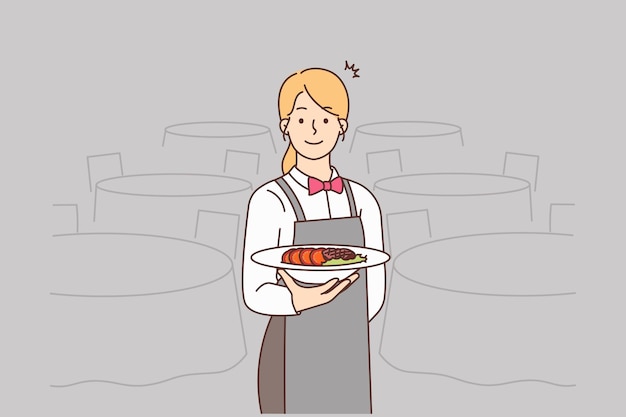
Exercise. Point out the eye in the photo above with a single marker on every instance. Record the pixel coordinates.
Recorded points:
(301, 121)
(325, 120)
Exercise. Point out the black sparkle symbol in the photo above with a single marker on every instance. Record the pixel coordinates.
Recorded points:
(355, 70)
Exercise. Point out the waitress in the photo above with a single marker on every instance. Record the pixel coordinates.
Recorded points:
(315, 355)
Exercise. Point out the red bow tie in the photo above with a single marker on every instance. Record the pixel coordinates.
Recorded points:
(315, 185)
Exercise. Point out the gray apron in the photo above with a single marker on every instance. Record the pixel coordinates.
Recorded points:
(319, 361)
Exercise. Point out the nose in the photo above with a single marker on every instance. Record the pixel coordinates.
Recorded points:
(313, 126)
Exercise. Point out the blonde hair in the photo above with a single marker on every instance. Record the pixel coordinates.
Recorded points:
(324, 87)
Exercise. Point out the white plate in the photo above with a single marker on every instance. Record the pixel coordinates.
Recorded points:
(273, 257)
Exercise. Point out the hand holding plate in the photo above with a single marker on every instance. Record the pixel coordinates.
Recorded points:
(304, 298)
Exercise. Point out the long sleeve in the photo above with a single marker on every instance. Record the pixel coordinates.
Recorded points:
(267, 219)
(371, 218)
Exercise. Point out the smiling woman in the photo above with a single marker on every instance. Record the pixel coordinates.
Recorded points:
(313, 316)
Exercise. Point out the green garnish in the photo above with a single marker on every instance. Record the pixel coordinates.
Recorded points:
(354, 260)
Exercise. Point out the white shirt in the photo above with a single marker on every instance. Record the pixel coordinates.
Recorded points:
(270, 223)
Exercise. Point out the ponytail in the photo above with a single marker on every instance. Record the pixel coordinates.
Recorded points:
(289, 160)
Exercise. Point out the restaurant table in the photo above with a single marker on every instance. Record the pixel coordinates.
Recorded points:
(487, 309)
(424, 146)
(165, 204)
(460, 203)
(138, 309)
(201, 147)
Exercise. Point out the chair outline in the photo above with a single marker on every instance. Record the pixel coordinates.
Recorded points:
(75, 213)
(230, 251)
(405, 217)
(550, 215)
(533, 177)
(89, 173)
(388, 151)
(234, 151)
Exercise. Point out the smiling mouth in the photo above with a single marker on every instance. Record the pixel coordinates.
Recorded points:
(313, 143)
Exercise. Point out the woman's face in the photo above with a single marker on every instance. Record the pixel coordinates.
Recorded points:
(313, 130)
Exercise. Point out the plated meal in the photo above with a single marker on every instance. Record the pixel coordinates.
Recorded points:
(313, 263)
(322, 256)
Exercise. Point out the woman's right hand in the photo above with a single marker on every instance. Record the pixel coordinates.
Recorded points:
(304, 298)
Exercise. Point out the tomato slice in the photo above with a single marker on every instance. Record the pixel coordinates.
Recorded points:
(294, 256)
(286, 256)
(305, 256)
(317, 257)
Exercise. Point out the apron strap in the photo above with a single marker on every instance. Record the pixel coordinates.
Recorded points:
(346, 185)
(297, 208)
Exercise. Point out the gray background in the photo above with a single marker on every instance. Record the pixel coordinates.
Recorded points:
(79, 79)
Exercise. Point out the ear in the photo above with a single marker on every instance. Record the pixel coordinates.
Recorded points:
(283, 125)
(343, 123)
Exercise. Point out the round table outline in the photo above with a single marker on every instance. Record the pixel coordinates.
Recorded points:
(358, 130)
(530, 197)
(377, 186)
(99, 187)
(388, 297)
(229, 271)
(267, 130)
(393, 266)
(245, 344)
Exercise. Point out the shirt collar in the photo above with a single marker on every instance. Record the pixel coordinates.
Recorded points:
(303, 179)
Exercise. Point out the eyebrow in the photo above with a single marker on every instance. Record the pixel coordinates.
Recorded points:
(300, 108)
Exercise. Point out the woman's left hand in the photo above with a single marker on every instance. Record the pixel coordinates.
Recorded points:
(304, 298)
